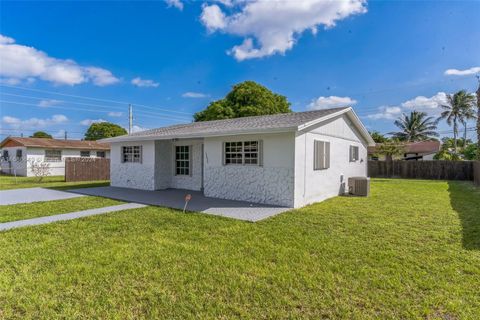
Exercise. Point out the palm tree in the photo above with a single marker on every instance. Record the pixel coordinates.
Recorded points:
(454, 111)
(415, 127)
(468, 113)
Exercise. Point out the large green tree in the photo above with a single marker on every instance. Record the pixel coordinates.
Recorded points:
(101, 130)
(41, 134)
(245, 99)
(415, 127)
(378, 137)
(457, 110)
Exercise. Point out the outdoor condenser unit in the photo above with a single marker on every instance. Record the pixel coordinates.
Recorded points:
(359, 186)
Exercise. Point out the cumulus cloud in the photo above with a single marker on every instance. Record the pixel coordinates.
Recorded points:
(425, 104)
(194, 95)
(115, 114)
(386, 112)
(175, 3)
(330, 102)
(17, 123)
(49, 103)
(430, 105)
(273, 27)
(137, 128)
(89, 122)
(466, 72)
(139, 82)
(21, 62)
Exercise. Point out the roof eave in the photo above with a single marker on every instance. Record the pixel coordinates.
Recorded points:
(128, 138)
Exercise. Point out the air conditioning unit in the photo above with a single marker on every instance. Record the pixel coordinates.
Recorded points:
(359, 186)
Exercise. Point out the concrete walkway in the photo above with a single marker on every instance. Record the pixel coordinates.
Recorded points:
(174, 198)
(28, 195)
(68, 216)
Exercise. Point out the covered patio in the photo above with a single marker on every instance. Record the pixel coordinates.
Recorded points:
(175, 198)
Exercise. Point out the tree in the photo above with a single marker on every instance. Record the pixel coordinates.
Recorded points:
(454, 111)
(478, 119)
(41, 134)
(101, 130)
(415, 127)
(470, 152)
(245, 99)
(378, 137)
(40, 169)
(390, 149)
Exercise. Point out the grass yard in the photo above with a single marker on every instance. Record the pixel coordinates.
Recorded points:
(54, 182)
(47, 208)
(411, 250)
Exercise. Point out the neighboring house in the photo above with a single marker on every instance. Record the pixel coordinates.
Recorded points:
(17, 154)
(287, 159)
(422, 150)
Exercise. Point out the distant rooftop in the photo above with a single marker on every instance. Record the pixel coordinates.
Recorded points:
(53, 143)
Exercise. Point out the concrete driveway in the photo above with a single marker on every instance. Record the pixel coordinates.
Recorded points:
(174, 198)
(28, 195)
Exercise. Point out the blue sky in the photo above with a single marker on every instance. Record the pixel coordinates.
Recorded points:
(169, 59)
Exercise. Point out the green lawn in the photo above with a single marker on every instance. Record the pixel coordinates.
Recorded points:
(411, 250)
(48, 208)
(54, 182)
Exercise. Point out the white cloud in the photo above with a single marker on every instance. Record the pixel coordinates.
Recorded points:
(89, 122)
(432, 106)
(194, 95)
(330, 102)
(175, 3)
(139, 82)
(466, 72)
(386, 112)
(49, 103)
(21, 62)
(429, 105)
(137, 128)
(115, 114)
(17, 123)
(273, 27)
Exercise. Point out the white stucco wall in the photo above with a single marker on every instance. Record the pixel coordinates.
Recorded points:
(23, 166)
(193, 181)
(317, 185)
(271, 183)
(133, 174)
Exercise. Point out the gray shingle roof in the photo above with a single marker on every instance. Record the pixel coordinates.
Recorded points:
(276, 121)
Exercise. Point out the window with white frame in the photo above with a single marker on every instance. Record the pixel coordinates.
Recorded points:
(354, 153)
(53, 155)
(132, 154)
(5, 155)
(321, 155)
(182, 160)
(101, 154)
(85, 154)
(242, 152)
(19, 154)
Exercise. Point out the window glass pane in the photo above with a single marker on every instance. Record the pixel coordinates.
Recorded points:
(182, 160)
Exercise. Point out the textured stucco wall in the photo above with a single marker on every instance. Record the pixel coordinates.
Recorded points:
(194, 180)
(133, 175)
(318, 185)
(271, 183)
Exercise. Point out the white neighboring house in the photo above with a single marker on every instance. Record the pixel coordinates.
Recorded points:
(17, 153)
(290, 159)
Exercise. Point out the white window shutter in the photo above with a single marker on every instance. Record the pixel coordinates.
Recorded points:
(260, 152)
(327, 155)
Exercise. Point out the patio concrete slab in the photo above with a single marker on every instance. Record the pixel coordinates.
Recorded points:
(67, 216)
(28, 195)
(175, 198)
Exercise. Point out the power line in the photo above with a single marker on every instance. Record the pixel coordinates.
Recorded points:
(82, 109)
(96, 99)
(181, 118)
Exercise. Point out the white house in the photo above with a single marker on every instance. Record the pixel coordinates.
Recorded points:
(17, 154)
(287, 159)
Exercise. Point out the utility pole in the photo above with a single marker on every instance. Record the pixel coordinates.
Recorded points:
(478, 118)
(130, 119)
(65, 135)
